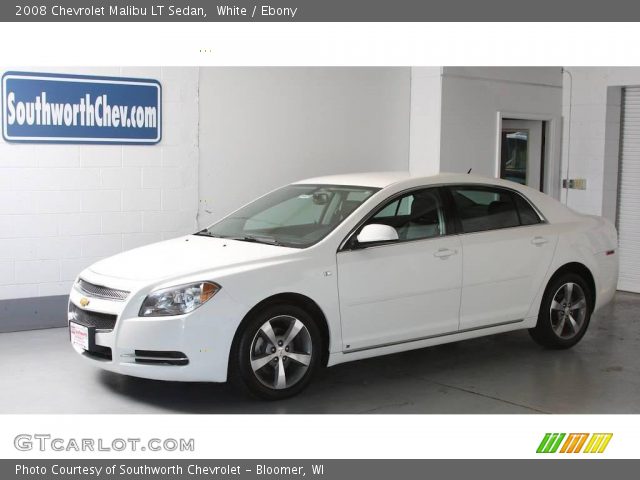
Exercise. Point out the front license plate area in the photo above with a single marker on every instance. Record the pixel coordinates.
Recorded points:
(79, 335)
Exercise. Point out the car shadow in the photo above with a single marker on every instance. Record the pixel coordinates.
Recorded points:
(388, 384)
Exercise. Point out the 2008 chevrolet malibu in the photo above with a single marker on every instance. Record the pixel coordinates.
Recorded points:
(341, 268)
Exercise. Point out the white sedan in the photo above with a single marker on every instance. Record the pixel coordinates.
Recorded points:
(341, 268)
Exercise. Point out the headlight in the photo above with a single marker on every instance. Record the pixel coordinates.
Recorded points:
(177, 300)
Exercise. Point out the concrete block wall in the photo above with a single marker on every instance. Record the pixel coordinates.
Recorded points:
(63, 207)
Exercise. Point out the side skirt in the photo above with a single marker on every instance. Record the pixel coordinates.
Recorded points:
(396, 347)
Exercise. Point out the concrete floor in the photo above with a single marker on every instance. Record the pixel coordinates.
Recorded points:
(506, 373)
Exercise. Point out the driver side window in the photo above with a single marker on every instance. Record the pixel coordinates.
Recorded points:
(415, 215)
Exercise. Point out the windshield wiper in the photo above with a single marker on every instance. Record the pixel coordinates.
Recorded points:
(252, 239)
(207, 233)
(241, 238)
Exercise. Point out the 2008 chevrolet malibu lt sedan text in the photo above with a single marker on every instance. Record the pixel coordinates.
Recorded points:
(341, 268)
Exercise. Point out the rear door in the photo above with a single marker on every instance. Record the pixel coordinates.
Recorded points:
(507, 249)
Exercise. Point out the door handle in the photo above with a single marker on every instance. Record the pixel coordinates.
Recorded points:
(539, 241)
(444, 253)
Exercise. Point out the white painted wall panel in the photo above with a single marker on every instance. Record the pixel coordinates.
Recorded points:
(591, 111)
(471, 101)
(261, 128)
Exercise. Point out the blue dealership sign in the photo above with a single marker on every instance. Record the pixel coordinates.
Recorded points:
(49, 108)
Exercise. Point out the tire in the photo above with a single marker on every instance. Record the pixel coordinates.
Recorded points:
(565, 312)
(271, 364)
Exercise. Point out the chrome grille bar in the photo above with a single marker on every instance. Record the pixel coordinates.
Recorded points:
(101, 291)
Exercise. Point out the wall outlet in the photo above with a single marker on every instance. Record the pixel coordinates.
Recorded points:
(575, 183)
(580, 183)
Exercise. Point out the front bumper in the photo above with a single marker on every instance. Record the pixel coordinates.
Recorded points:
(192, 347)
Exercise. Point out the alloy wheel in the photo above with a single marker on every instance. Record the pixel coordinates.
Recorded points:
(568, 310)
(281, 352)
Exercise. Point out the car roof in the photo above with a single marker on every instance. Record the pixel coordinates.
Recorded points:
(364, 179)
(385, 179)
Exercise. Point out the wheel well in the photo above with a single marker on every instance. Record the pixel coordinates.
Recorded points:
(584, 272)
(301, 301)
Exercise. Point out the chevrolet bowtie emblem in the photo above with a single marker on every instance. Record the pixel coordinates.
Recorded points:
(84, 301)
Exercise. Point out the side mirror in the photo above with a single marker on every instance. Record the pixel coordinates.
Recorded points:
(377, 233)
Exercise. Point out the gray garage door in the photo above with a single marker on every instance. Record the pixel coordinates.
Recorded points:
(629, 192)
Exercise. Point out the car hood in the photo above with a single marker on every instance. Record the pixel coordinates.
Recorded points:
(184, 256)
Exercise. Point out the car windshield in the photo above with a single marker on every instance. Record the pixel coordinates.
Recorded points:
(293, 216)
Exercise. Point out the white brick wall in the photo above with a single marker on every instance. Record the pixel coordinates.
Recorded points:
(63, 207)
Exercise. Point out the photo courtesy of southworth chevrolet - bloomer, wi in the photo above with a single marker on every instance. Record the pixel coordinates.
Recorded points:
(207, 471)
(337, 239)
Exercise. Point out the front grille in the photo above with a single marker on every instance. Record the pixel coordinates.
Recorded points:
(101, 321)
(102, 292)
(99, 352)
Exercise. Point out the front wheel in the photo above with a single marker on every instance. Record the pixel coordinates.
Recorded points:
(277, 352)
(565, 312)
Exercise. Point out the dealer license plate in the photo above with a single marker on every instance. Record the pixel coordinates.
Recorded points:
(79, 335)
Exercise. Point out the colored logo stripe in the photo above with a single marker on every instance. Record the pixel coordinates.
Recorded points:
(597, 442)
(550, 443)
(574, 443)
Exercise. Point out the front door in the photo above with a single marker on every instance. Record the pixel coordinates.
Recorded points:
(405, 289)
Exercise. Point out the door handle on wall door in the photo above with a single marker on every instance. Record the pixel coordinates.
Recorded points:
(539, 241)
(444, 253)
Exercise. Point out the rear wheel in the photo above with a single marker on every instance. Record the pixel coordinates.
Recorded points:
(565, 312)
(277, 352)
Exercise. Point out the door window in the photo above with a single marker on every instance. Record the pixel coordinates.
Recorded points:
(523, 145)
(514, 155)
(483, 208)
(416, 215)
